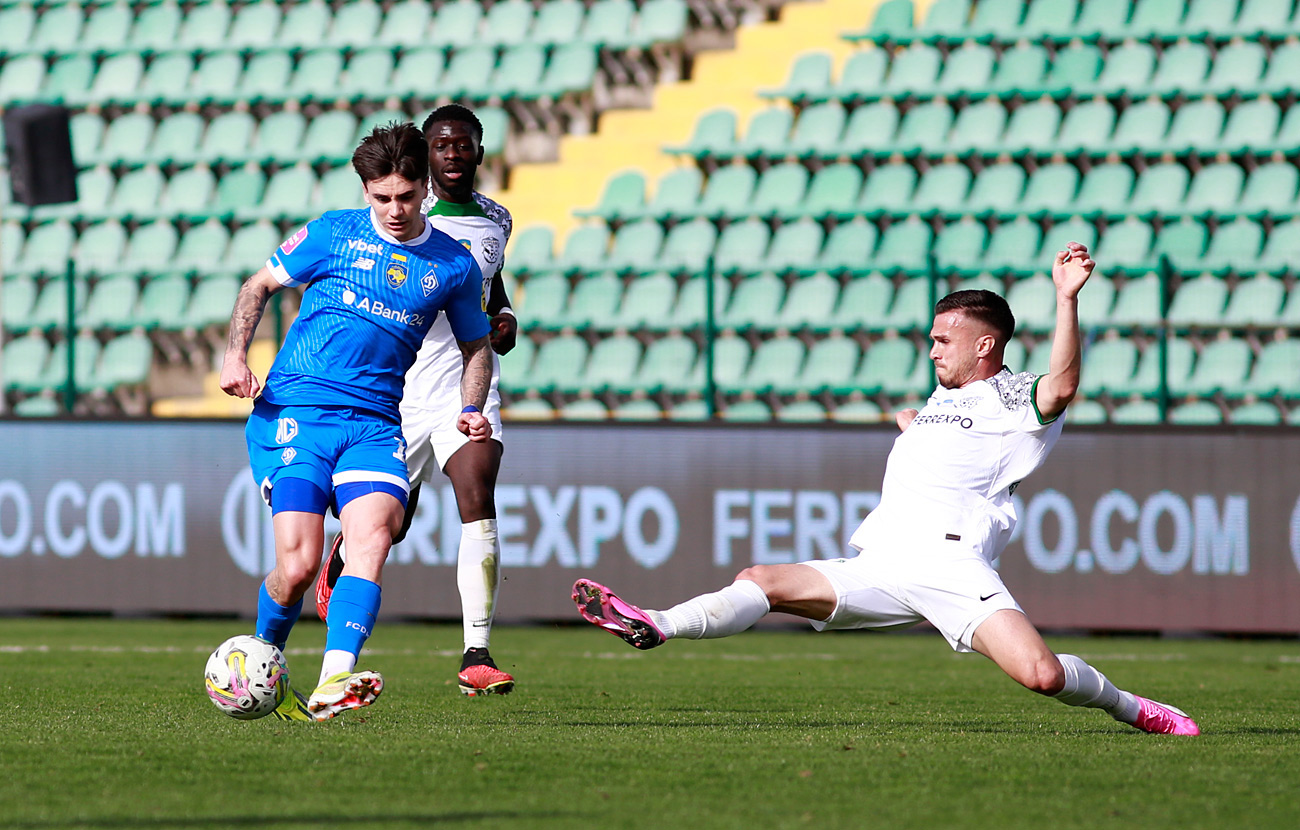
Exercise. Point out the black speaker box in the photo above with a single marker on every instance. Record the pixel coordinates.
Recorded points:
(38, 144)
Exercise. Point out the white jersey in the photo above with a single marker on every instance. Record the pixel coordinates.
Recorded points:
(483, 227)
(951, 473)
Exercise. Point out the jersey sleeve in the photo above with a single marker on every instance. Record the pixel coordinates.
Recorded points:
(464, 308)
(302, 257)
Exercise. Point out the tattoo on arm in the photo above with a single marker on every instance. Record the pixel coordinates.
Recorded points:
(249, 306)
(477, 375)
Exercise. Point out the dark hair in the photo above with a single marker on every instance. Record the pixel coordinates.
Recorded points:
(985, 306)
(457, 113)
(392, 148)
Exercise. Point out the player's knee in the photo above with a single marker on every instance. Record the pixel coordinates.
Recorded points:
(1043, 675)
(296, 574)
(763, 577)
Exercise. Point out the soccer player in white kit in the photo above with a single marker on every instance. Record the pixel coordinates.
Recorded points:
(945, 513)
(431, 404)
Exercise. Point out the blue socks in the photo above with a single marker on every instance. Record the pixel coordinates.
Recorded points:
(275, 621)
(354, 605)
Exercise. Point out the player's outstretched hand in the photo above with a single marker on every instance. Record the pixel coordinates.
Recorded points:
(505, 328)
(237, 379)
(473, 424)
(1071, 269)
(903, 418)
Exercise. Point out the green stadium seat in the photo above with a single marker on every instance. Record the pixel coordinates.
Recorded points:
(689, 311)
(1270, 190)
(775, 362)
(667, 364)
(1049, 19)
(996, 20)
(1074, 229)
(287, 197)
(794, 247)
(127, 139)
(316, 76)
(1182, 69)
(1021, 70)
(531, 250)
(111, 304)
(306, 24)
(817, 131)
(688, 247)
(85, 352)
(623, 198)
(945, 21)
(1196, 128)
(249, 248)
(612, 363)
(1050, 190)
(1160, 190)
(1283, 64)
(1127, 71)
(267, 76)
(558, 21)
(742, 247)
(1234, 247)
(967, 72)
(1238, 69)
(859, 80)
(1196, 413)
(1084, 411)
(904, 247)
(46, 249)
(635, 246)
(1223, 364)
(1275, 370)
(849, 248)
(125, 361)
(20, 292)
(1012, 246)
(1034, 300)
(1108, 364)
(810, 74)
(888, 191)
(228, 137)
(25, 359)
(1096, 303)
(166, 80)
(22, 78)
(1288, 133)
(1032, 128)
(176, 140)
(354, 22)
(542, 301)
(99, 248)
(1137, 412)
(1141, 127)
(886, 366)
(608, 24)
(870, 130)
(748, 410)
(12, 236)
(810, 303)
(204, 26)
(58, 29)
(779, 186)
(978, 128)
(594, 302)
(67, 80)
(647, 303)
(911, 309)
(1156, 19)
(1126, 247)
(1105, 190)
(138, 193)
(832, 193)
(1086, 129)
(240, 189)
(94, 193)
(116, 80)
(1207, 19)
(914, 71)
(727, 192)
(754, 304)
(996, 191)
(802, 411)
(1258, 18)
(211, 302)
(959, 246)
(1183, 243)
(150, 248)
(661, 21)
(1199, 302)
(893, 21)
(857, 410)
(1039, 359)
(584, 250)
(201, 246)
(1137, 302)
(255, 25)
(329, 137)
(406, 23)
(923, 130)
(516, 72)
(864, 304)
(637, 409)
(17, 25)
(714, 132)
(368, 71)
(831, 364)
(1256, 301)
(1257, 413)
(279, 137)
(766, 134)
(50, 311)
(1076, 67)
(1215, 190)
(571, 70)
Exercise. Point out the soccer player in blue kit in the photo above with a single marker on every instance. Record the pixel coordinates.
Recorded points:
(325, 431)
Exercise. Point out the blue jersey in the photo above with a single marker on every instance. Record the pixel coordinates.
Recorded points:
(369, 302)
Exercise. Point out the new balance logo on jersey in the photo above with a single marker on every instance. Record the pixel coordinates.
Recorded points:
(364, 263)
(286, 430)
(364, 247)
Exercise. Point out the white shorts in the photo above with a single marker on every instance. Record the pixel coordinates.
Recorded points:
(874, 590)
(431, 435)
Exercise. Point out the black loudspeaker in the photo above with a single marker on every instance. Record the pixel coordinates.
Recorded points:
(38, 144)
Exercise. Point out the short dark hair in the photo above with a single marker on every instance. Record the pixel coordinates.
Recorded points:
(457, 113)
(985, 306)
(392, 148)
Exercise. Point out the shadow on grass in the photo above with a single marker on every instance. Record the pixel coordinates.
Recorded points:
(226, 821)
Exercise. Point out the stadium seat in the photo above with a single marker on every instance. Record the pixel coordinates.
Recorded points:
(249, 248)
(817, 131)
(255, 25)
(689, 311)
(1270, 190)
(831, 364)
(215, 80)
(1279, 77)
(637, 409)
(742, 247)
(810, 74)
(151, 247)
(924, 129)
(138, 193)
(1084, 411)
(367, 72)
(774, 362)
(647, 303)
(635, 246)
(608, 24)
(892, 21)
(754, 304)
(859, 80)
(354, 22)
(58, 30)
(17, 24)
(864, 304)
(306, 24)
(1257, 413)
(1141, 128)
(85, 352)
(1282, 248)
(886, 366)
(1012, 247)
(1274, 371)
(810, 303)
(176, 139)
(542, 300)
(1223, 364)
(1196, 413)
(1262, 18)
(46, 249)
(155, 28)
(1076, 67)
(731, 357)
(20, 292)
(794, 247)
(727, 192)
(1207, 19)
(211, 302)
(1215, 190)
(22, 78)
(1136, 412)
(996, 191)
(1256, 301)
(25, 359)
(904, 247)
(1196, 128)
(1048, 19)
(870, 130)
(1183, 243)
(266, 77)
(857, 410)
(996, 20)
(832, 193)
(1156, 19)
(1182, 69)
(1085, 130)
(958, 246)
(714, 131)
(1234, 247)
(1108, 364)
(777, 187)
(1125, 247)
(50, 310)
(1051, 190)
(1033, 128)
(1238, 68)
(1104, 191)
(99, 248)
(746, 409)
(201, 247)
(848, 248)
(966, 72)
(1159, 190)
(111, 304)
(765, 135)
(667, 363)
(888, 191)
(623, 198)
(166, 80)
(67, 80)
(941, 189)
(612, 363)
(1180, 361)
(279, 137)
(116, 81)
(912, 307)
(978, 129)
(802, 411)
(1127, 71)
(287, 197)
(1020, 70)
(584, 250)
(1034, 300)
(688, 247)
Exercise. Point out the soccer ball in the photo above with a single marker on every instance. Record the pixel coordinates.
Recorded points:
(246, 677)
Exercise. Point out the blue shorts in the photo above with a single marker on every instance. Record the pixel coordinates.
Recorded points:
(312, 458)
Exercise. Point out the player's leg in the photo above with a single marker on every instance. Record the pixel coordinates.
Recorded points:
(1010, 640)
(298, 537)
(793, 589)
(335, 559)
(473, 472)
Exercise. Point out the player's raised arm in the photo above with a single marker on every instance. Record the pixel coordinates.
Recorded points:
(236, 378)
(1070, 271)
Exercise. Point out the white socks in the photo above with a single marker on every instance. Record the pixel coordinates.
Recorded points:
(336, 660)
(1085, 686)
(720, 614)
(478, 578)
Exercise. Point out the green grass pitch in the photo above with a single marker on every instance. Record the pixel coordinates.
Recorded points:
(105, 725)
